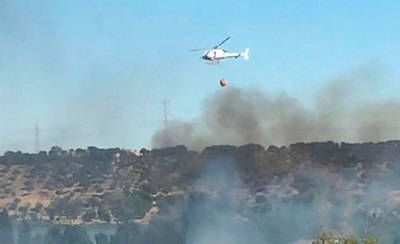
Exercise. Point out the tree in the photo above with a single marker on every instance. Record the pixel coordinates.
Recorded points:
(65, 207)
(136, 205)
(89, 215)
(103, 214)
(6, 229)
(51, 212)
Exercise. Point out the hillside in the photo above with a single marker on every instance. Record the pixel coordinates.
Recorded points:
(96, 185)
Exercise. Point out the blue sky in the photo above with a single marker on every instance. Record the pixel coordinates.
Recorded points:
(96, 72)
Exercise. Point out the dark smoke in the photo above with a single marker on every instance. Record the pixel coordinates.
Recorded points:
(342, 111)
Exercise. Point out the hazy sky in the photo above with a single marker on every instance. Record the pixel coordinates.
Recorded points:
(96, 72)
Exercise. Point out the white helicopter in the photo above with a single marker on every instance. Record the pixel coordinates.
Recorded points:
(216, 54)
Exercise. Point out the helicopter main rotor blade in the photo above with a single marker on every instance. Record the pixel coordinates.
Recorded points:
(226, 39)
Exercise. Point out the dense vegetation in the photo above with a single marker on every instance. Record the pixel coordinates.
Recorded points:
(168, 195)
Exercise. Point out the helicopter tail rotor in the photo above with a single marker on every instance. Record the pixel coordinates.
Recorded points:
(245, 54)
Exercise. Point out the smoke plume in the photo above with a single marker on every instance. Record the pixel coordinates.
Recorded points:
(221, 209)
(343, 110)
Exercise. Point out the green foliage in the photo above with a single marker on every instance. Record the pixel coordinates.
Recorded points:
(133, 206)
(65, 207)
(138, 202)
(38, 208)
(103, 214)
(330, 238)
(89, 215)
(370, 240)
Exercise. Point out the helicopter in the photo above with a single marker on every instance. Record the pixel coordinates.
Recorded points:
(216, 54)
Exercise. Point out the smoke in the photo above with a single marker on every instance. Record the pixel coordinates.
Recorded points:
(343, 110)
(223, 210)
(346, 109)
(215, 208)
